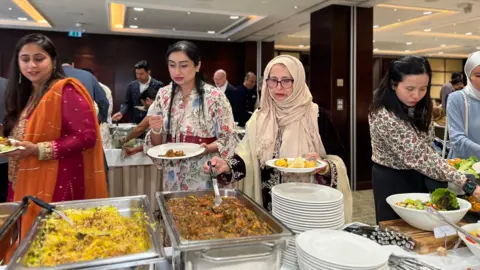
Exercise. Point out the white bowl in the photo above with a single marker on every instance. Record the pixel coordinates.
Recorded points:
(474, 248)
(421, 219)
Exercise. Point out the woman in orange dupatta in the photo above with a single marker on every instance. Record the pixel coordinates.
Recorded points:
(54, 119)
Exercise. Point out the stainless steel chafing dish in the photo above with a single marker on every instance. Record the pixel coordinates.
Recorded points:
(255, 252)
(11, 216)
(125, 205)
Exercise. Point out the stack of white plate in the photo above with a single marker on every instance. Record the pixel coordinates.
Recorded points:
(339, 250)
(303, 207)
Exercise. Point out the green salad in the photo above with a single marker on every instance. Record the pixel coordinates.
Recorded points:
(441, 199)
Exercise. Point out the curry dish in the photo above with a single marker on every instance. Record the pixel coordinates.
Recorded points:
(199, 219)
(173, 153)
(98, 233)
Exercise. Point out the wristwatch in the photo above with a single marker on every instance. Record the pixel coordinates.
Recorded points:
(469, 187)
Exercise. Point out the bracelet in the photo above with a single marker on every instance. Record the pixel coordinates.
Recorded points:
(156, 132)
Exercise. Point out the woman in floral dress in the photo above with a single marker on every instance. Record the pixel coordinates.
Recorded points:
(189, 110)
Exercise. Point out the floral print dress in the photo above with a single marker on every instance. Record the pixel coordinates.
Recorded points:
(205, 120)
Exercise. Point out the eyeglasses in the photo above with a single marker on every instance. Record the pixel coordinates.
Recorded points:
(273, 83)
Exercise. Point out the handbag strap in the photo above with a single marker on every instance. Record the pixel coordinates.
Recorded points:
(466, 111)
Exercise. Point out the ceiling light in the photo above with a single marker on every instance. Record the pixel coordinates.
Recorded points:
(134, 26)
(398, 20)
(407, 50)
(375, 49)
(443, 45)
(211, 32)
(427, 30)
(374, 41)
(234, 17)
(376, 26)
(295, 7)
(228, 39)
(138, 9)
(409, 43)
(395, 10)
(9, 8)
(468, 33)
(22, 19)
(478, 48)
(135, 19)
(440, 53)
(427, 12)
(189, 13)
(301, 45)
(42, 21)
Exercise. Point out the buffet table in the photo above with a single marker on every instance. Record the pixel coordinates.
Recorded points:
(134, 175)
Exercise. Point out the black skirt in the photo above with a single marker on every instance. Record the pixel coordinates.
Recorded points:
(387, 181)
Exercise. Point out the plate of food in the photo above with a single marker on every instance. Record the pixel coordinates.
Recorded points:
(175, 151)
(296, 165)
(6, 145)
(466, 166)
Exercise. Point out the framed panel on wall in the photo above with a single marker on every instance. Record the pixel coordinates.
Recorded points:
(438, 78)
(437, 64)
(435, 91)
(453, 65)
(294, 54)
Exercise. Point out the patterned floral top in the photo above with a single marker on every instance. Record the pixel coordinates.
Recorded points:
(396, 144)
(213, 119)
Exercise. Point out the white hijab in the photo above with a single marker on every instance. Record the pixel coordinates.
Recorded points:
(473, 61)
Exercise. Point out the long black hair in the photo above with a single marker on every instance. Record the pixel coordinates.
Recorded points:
(190, 49)
(420, 116)
(19, 88)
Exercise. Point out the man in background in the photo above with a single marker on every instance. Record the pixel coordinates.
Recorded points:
(90, 83)
(135, 88)
(108, 93)
(236, 97)
(251, 95)
(3, 160)
(455, 84)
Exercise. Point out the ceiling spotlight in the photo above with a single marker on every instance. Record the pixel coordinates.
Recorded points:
(398, 20)
(407, 50)
(374, 41)
(440, 53)
(211, 32)
(138, 9)
(189, 13)
(174, 29)
(375, 49)
(478, 48)
(443, 45)
(427, 12)
(10, 8)
(295, 7)
(134, 26)
(395, 10)
(234, 17)
(427, 30)
(468, 33)
(228, 39)
(22, 19)
(135, 19)
(409, 43)
(376, 26)
(301, 45)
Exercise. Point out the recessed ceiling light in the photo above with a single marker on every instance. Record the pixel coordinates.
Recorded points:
(189, 13)
(375, 49)
(409, 43)
(295, 7)
(427, 30)
(427, 12)
(478, 48)
(228, 39)
(211, 32)
(395, 10)
(22, 19)
(174, 29)
(301, 45)
(407, 50)
(468, 33)
(376, 26)
(443, 45)
(398, 20)
(135, 19)
(138, 9)
(374, 41)
(134, 26)
(10, 8)
(234, 17)
(440, 53)
(454, 32)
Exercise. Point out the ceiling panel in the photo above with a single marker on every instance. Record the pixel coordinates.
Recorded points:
(385, 16)
(13, 14)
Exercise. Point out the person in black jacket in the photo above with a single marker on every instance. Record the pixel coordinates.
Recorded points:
(134, 90)
(236, 97)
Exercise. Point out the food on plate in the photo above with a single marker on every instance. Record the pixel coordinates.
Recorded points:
(173, 153)
(475, 204)
(465, 165)
(2, 220)
(98, 233)
(5, 144)
(441, 199)
(296, 163)
(197, 218)
(441, 251)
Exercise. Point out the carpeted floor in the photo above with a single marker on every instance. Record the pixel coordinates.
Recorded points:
(363, 207)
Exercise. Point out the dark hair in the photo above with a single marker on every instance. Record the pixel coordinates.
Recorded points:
(437, 100)
(19, 88)
(142, 65)
(65, 59)
(88, 70)
(190, 49)
(457, 76)
(150, 93)
(456, 80)
(386, 97)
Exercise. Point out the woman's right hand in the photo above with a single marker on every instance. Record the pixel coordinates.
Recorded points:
(156, 123)
(220, 165)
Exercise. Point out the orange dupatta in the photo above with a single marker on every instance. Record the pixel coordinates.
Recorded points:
(39, 177)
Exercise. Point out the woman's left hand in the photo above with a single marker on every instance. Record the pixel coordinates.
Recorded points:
(26, 149)
(315, 156)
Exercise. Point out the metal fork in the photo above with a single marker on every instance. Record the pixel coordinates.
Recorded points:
(213, 174)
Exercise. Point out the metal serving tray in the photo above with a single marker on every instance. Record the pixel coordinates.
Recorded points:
(10, 229)
(124, 206)
(280, 231)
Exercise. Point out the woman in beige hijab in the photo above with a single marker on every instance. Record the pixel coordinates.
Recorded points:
(286, 125)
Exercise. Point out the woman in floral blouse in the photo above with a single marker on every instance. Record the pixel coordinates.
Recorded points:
(286, 125)
(402, 133)
(189, 110)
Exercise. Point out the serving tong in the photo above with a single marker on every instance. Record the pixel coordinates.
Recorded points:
(407, 263)
(213, 174)
(468, 235)
(51, 208)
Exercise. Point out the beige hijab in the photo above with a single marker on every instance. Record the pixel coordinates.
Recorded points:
(296, 117)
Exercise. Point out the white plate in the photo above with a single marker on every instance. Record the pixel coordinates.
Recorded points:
(282, 201)
(306, 192)
(271, 163)
(330, 246)
(14, 148)
(190, 150)
(476, 167)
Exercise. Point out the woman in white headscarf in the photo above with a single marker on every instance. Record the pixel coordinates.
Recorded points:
(463, 109)
(286, 125)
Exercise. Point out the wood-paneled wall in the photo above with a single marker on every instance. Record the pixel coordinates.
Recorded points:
(112, 57)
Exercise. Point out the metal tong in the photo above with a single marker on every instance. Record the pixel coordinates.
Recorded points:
(407, 263)
(468, 235)
(213, 174)
(47, 206)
